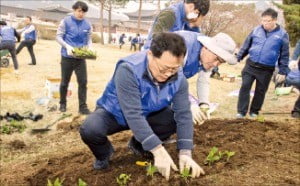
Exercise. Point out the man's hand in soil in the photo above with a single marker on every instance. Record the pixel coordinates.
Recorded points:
(163, 161)
(186, 161)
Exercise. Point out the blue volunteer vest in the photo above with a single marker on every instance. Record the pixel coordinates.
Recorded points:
(180, 22)
(7, 33)
(31, 35)
(266, 50)
(76, 34)
(193, 64)
(152, 99)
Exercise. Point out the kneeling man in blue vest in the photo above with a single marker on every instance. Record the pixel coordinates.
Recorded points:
(148, 94)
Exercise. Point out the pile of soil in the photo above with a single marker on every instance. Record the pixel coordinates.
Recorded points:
(265, 154)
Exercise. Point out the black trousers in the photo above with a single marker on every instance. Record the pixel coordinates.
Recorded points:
(100, 124)
(29, 44)
(68, 65)
(11, 47)
(262, 77)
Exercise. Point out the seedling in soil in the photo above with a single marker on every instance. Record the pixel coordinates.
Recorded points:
(57, 182)
(13, 126)
(123, 179)
(229, 154)
(151, 169)
(214, 155)
(185, 174)
(81, 182)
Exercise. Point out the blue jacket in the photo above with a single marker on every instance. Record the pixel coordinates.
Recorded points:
(152, 99)
(7, 33)
(267, 48)
(76, 33)
(193, 64)
(180, 22)
(132, 94)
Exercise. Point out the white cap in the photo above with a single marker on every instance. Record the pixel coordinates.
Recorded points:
(222, 45)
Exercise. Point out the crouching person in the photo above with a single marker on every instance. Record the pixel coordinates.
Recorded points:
(138, 98)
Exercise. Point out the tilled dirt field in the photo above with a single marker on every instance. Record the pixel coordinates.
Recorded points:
(265, 154)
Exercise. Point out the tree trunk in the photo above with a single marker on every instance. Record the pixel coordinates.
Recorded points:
(101, 21)
(140, 15)
(109, 22)
(158, 6)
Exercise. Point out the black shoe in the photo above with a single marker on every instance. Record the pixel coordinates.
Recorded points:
(138, 150)
(31, 64)
(63, 108)
(84, 111)
(103, 164)
(296, 114)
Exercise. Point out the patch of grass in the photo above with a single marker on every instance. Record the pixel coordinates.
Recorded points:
(13, 126)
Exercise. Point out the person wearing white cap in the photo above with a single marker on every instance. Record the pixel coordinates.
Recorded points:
(203, 54)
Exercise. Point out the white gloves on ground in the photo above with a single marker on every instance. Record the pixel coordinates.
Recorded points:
(200, 114)
(279, 78)
(186, 161)
(69, 50)
(163, 161)
(293, 65)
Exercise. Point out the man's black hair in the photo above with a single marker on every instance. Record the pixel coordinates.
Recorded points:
(270, 12)
(2, 22)
(30, 19)
(201, 5)
(82, 5)
(167, 41)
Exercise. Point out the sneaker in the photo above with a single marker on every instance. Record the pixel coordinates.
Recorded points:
(253, 115)
(103, 164)
(296, 114)
(63, 108)
(240, 116)
(138, 150)
(84, 111)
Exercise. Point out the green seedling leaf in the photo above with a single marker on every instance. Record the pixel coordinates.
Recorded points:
(57, 182)
(81, 182)
(229, 154)
(123, 179)
(185, 174)
(151, 169)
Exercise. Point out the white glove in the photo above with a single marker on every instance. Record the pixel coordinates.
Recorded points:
(69, 50)
(279, 78)
(205, 109)
(186, 161)
(163, 161)
(198, 115)
(293, 65)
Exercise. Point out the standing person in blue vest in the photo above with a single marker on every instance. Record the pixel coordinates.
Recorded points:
(266, 44)
(74, 31)
(203, 54)
(138, 98)
(293, 77)
(29, 34)
(8, 35)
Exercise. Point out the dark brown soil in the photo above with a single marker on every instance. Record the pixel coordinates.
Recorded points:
(17, 144)
(266, 154)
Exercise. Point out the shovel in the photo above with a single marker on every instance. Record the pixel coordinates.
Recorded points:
(272, 113)
(47, 128)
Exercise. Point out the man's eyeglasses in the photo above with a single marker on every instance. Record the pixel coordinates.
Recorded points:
(165, 69)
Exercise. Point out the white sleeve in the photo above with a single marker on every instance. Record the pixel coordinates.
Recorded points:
(203, 82)
(29, 29)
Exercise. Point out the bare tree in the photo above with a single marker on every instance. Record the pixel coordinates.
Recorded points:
(140, 15)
